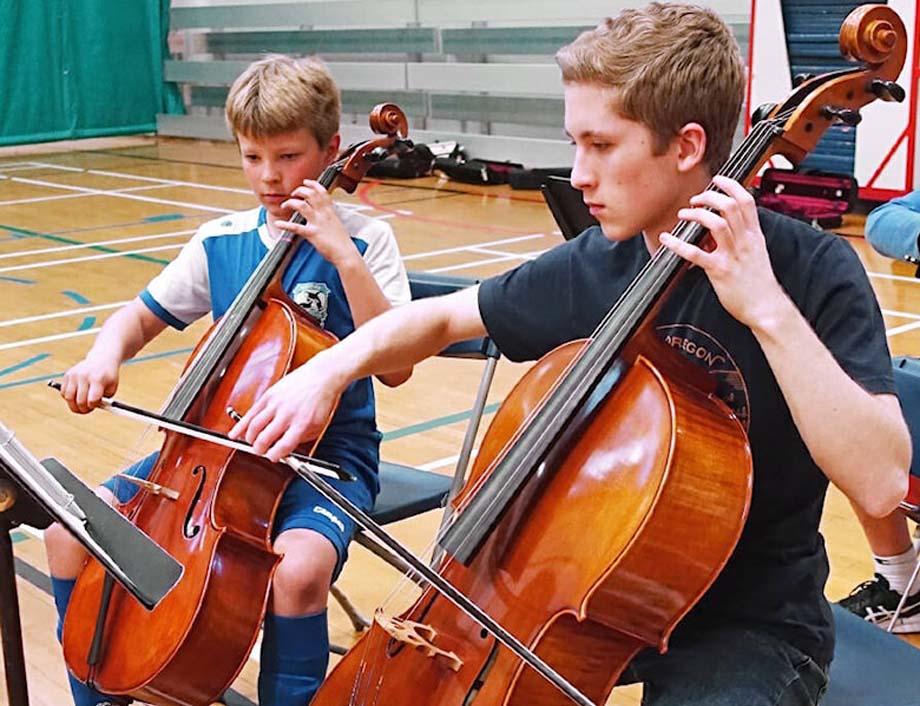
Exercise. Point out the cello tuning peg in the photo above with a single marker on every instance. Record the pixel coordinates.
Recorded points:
(847, 116)
(887, 90)
(761, 112)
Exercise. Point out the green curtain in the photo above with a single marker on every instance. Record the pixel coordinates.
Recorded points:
(82, 68)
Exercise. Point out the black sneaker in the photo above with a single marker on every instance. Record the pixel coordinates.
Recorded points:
(876, 601)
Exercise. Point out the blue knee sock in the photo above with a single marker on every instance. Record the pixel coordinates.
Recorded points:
(82, 694)
(295, 654)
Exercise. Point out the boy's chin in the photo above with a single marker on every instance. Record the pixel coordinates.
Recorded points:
(277, 214)
(616, 233)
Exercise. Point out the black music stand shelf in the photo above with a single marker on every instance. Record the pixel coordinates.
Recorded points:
(37, 494)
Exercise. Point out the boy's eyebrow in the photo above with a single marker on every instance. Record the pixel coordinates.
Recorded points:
(585, 134)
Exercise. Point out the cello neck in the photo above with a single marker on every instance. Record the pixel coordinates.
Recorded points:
(231, 329)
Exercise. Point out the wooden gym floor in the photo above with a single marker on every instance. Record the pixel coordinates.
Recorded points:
(84, 226)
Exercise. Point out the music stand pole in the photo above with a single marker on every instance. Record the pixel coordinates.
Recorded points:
(14, 663)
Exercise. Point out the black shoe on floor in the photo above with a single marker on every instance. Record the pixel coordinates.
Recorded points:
(876, 601)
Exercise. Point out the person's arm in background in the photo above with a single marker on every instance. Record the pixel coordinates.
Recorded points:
(893, 228)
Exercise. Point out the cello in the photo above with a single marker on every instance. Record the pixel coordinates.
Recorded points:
(209, 506)
(617, 421)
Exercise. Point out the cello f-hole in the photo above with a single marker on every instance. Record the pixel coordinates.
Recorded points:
(187, 529)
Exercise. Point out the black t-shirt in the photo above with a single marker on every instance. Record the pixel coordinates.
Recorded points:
(776, 575)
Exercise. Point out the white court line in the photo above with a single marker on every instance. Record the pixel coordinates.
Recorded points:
(169, 182)
(904, 314)
(463, 248)
(116, 194)
(517, 256)
(47, 339)
(96, 244)
(104, 256)
(59, 197)
(176, 182)
(160, 184)
(20, 168)
(61, 314)
(902, 329)
(198, 185)
(442, 462)
(60, 167)
(37, 199)
(899, 278)
(488, 251)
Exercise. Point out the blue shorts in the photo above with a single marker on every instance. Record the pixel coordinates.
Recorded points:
(301, 506)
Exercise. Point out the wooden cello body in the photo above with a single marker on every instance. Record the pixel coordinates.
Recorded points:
(215, 506)
(600, 575)
(199, 637)
(611, 487)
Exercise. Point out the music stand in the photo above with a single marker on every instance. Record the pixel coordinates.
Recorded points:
(37, 494)
(567, 206)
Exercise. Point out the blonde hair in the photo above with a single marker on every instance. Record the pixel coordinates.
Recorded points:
(670, 64)
(279, 94)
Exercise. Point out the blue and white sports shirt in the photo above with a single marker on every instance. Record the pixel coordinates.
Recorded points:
(215, 264)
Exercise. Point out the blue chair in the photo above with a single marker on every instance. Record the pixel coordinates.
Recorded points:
(871, 667)
(907, 382)
(406, 491)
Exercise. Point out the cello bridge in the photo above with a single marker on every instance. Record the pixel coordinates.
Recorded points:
(419, 636)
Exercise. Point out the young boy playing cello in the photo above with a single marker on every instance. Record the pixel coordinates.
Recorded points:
(782, 312)
(285, 117)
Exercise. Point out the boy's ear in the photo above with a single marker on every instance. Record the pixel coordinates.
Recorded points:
(332, 149)
(691, 146)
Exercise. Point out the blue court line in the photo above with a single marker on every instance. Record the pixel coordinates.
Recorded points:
(87, 323)
(18, 536)
(24, 364)
(70, 241)
(18, 280)
(145, 221)
(142, 359)
(164, 217)
(76, 296)
(434, 423)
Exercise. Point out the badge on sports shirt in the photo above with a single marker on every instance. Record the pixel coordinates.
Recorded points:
(314, 298)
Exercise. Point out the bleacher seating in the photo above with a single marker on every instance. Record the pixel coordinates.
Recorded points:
(479, 72)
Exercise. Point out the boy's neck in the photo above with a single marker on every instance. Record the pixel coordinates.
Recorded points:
(274, 232)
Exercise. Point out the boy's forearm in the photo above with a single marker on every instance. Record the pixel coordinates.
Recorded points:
(126, 332)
